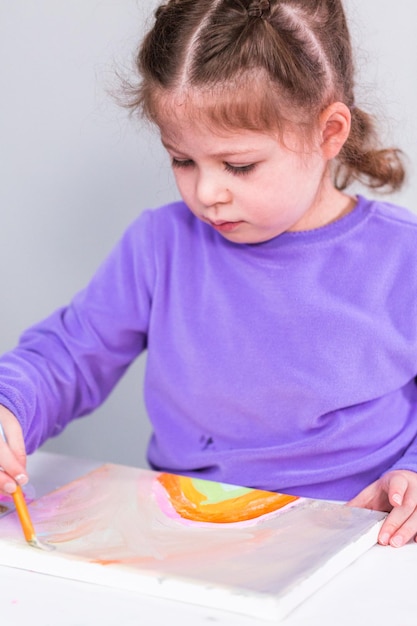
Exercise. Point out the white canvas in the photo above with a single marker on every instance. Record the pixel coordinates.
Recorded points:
(222, 546)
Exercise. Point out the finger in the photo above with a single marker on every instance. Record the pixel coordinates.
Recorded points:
(371, 498)
(363, 497)
(12, 453)
(404, 533)
(12, 433)
(15, 441)
(396, 488)
(401, 524)
(13, 472)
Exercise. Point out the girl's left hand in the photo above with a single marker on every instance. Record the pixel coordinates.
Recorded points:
(396, 493)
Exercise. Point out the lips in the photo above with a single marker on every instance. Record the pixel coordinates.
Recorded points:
(225, 227)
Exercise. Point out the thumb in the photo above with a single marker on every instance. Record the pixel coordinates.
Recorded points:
(397, 484)
(366, 498)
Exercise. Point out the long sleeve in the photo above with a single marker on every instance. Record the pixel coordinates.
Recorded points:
(408, 460)
(288, 365)
(66, 365)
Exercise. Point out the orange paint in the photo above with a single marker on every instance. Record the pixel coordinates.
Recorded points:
(189, 502)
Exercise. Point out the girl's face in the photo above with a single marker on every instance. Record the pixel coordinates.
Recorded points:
(247, 185)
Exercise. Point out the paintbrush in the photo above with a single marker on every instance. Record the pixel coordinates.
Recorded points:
(23, 514)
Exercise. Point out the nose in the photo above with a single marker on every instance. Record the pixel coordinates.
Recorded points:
(211, 189)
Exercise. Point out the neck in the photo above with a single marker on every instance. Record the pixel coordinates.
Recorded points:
(330, 205)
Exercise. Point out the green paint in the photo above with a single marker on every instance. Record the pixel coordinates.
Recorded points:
(218, 492)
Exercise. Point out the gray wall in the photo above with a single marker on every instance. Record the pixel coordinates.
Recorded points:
(75, 171)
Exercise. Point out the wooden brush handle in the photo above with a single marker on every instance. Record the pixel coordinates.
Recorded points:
(23, 513)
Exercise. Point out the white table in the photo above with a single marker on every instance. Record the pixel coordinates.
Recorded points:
(380, 587)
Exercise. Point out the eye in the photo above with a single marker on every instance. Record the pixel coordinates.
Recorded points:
(181, 162)
(239, 170)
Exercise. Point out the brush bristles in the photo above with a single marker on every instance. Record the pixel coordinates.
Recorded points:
(35, 543)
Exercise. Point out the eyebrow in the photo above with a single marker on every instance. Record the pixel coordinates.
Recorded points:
(216, 155)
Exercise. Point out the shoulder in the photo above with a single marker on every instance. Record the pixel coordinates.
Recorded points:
(165, 220)
(390, 214)
(387, 242)
(166, 232)
(155, 241)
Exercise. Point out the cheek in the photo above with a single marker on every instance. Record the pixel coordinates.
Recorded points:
(185, 187)
(305, 180)
(182, 183)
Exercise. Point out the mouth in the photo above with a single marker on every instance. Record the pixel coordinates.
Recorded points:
(225, 227)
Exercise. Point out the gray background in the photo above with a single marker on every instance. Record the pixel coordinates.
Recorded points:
(75, 170)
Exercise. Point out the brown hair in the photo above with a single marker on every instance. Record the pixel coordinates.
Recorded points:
(257, 64)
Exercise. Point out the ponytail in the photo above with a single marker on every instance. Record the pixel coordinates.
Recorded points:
(254, 63)
(364, 160)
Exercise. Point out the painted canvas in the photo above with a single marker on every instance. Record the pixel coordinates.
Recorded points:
(224, 546)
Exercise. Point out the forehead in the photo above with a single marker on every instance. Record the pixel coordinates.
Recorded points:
(227, 110)
(221, 108)
(195, 139)
(184, 120)
(186, 129)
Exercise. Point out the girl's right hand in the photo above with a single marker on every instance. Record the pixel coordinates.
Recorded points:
(12, 453)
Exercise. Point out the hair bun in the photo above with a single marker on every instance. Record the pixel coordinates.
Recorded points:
(258, 8)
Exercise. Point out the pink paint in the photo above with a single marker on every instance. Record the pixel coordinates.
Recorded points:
(167, 508)
(117, 527)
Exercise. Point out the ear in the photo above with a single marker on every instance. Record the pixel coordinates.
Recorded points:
(334, 124)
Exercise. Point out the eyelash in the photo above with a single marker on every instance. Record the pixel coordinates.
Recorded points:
(232, 169)
(241, 170)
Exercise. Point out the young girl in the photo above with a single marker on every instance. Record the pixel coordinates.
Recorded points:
(278, 311)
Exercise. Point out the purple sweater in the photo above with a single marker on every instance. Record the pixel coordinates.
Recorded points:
(287, 365)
